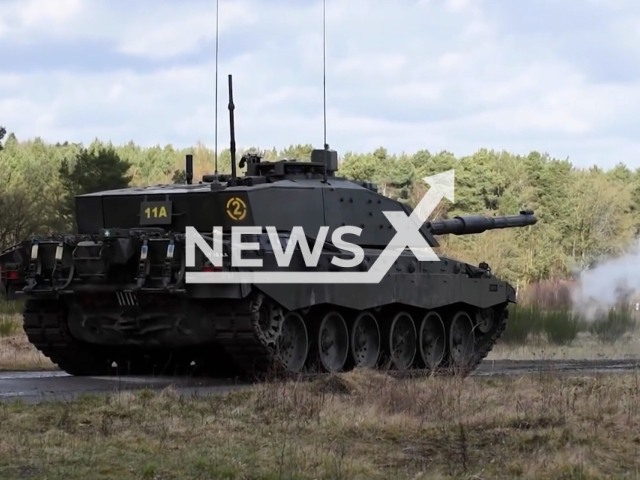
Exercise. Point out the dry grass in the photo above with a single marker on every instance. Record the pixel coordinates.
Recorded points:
(358, 425)
(16, 353)
(585, 347)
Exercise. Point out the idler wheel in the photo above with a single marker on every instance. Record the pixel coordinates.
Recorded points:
(461, 340)
(402, 341)
(292, 345)
(333, 342)
(433, 340)
(485, 320)
(365, 341)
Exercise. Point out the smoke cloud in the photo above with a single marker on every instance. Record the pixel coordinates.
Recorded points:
(608, 284)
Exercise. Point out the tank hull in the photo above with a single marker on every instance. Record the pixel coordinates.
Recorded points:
(96, 305)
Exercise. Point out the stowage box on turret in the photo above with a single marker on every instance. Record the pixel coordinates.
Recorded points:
(117, 296)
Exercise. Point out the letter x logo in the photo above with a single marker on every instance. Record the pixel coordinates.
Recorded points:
(407, 227)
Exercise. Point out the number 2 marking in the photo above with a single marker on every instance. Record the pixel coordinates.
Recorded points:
(236, 208)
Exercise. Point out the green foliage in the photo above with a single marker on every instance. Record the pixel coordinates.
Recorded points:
(559, 326)
(611, 326)
(179, 177)
(522, 323)
(583, 214)
(11, 308)
(9, 322)
(8, 326)
(100, 169)
(546, 308)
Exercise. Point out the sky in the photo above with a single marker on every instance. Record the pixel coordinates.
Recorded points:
(555, 76)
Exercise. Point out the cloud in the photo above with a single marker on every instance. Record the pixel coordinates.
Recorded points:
(19, 19)
(174, 32)
(559, 77)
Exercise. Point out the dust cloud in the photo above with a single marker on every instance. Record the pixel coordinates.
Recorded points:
(611, 283)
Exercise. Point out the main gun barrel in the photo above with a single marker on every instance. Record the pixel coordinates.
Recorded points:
(478, 224)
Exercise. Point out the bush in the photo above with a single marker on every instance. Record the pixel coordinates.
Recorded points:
(612, 325)
(561, 326)
(8, 326)
(9, 322)
(543, 308)
(11, 308)
(522, 322)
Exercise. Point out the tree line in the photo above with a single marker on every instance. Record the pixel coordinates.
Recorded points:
(583, 214)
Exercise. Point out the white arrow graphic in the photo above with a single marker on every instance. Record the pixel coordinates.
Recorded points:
(442, 185)
(407, 235)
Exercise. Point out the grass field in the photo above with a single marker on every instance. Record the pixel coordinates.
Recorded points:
(535, 333)
(359, 425)
(353, 426)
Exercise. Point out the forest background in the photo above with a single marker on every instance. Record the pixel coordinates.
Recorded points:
(584, 214)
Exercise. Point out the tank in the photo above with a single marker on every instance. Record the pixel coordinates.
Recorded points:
(115, 296)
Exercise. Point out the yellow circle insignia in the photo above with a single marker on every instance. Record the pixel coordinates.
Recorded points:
(236, 208)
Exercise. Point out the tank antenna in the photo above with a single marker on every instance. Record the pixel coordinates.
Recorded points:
(215, 151)
(232, 130)
(324, 82)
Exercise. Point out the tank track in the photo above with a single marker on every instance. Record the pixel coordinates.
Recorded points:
(245, 345)
(44, 323)
(489, 341)
(242, 338)
(46, 329)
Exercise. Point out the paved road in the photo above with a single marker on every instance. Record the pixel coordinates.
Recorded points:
(33, 387)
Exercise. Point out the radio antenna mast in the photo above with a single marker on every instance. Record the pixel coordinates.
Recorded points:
(215, 151)
(232, 133)
(324, 82)
(324, 68)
